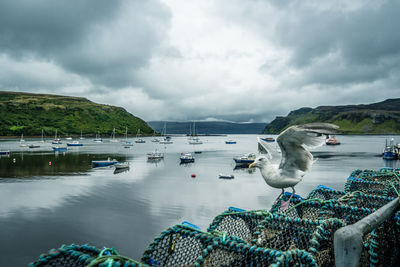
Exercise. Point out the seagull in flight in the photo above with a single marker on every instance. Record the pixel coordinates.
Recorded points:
(296, 160)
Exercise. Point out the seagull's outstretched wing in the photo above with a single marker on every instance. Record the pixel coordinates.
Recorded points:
(295, 157)
(271, 150)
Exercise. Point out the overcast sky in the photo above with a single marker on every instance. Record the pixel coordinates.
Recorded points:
(206, 59)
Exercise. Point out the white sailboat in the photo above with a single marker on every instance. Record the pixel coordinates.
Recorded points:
(56, 140)
(155, 140)
(139, 140)
(98, 138)
(81, 136)
(113, 140)
(127, 144)
(22, 141)
(167, 139)
(193, 139)
(42, 141)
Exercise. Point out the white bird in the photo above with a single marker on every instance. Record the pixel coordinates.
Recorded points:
(295, 159)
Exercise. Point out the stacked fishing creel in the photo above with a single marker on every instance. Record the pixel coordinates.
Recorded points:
(238, 222)
(84, 256)
(186, 246)
(314, 236)
(383, 242)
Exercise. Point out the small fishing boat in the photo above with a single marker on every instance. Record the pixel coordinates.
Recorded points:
(56, 140)
(268, 139)
(226, 176)
(59, 148)
(166, 141)
(98, 139)
(332, 141)
(186, 158)
(155, 155)
(139, 140)
(245, 160)
(120, 166)
(391, 151)
(74, 143)
(195, 141)
(229, 142)
(5, 153)
(104, 163)
(33, 146)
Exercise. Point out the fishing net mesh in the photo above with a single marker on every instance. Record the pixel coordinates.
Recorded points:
(83, 256)
(301, 235)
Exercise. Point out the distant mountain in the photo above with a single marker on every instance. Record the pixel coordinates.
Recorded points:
(377, 118)
(28, 114)
(208, 127)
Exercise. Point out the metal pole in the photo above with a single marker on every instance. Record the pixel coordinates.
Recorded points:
(348, 240)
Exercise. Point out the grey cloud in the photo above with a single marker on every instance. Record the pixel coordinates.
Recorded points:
(104, 41)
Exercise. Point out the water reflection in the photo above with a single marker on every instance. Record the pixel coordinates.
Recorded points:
(20, 164)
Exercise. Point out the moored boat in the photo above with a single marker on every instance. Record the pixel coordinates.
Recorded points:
(59, 148)
(391, 151)
(186, 158)
(74, 143)
(5, 153)
(155, 155)
(33, 146)
(229, 142)
(120, 166)
(245, 160)
(226, 176)
(268, 139)
(104, 163)
(332, 141)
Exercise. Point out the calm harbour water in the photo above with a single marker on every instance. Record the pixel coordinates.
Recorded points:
(43, 205)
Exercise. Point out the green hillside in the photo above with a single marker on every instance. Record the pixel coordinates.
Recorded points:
(377, 118)
(28, 114)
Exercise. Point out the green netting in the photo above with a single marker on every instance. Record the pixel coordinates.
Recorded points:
(283, 233)
(84, 255)
(388, 188)
(184, 246)
(238, 224)
(351, 198)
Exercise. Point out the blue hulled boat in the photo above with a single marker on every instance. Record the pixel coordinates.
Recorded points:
(186, 158)
(104, 163)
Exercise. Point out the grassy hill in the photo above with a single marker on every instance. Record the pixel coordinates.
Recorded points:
(28, 114)
(208, 127)
(376, 118)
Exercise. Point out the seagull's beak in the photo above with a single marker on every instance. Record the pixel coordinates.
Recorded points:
(251, 165)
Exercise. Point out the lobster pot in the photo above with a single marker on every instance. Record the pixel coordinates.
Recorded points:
(325, 193)
(238, 224)
(351, 198)
(316, 210)
(182, 246)
(372, 187)
(83, 256)
(283, 233)
(72, 255)
(382, 175)
(384, 243)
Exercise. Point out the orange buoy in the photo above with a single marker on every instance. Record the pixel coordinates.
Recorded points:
(193, 175)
